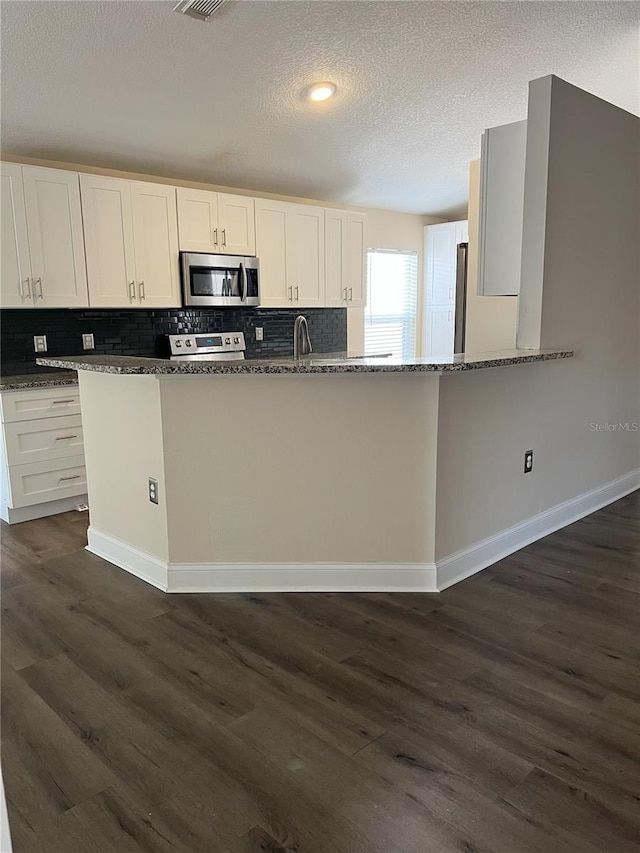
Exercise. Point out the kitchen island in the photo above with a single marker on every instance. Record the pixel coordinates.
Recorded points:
(317, 474)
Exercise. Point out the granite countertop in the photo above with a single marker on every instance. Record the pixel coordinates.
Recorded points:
(318, 363)
(38, 380)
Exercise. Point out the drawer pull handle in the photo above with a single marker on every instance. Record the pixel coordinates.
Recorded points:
(72, 477)
(63, 437)
(54, 402)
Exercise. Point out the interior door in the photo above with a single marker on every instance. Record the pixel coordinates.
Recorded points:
(198, 229)
(155, 237)
(15, 270)
(237, 220)
(271, 248)
(305, 255)
(108, 231)
(56, 238)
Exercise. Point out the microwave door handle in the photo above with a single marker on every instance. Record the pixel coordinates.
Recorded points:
(243, 283)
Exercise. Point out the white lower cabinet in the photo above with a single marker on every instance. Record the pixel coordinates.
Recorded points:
(345, 247)
(131, 237)
(43, 470)
(290, 246)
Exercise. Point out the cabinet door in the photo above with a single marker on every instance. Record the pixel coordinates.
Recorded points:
(56, 239)
(502, 171)
(15, 274)
(237, 222)
(108, 232)
(439, 331)
(355, 261)
(271, 248)
(155, 239)
(198, 229)
(336, 258)
(305, 255)
(440, 256)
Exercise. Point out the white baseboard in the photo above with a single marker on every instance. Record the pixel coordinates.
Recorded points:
(302, 577)
(145, 566)
(354, 577)
(262, 577)
(467, 562)
(29, 513)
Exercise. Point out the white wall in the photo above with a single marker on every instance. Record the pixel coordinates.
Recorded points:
(122, 425)
(491, 320)
(300, 469)
(588, 238)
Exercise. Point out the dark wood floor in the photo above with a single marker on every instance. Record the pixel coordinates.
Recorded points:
(502, 715)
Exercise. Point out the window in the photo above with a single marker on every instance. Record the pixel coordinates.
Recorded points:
(390, 315)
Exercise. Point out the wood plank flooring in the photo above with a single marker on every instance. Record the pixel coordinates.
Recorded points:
(501, 716)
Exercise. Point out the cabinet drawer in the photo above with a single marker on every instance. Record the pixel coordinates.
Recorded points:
(42, 439)
(39, 482)
(40, 403)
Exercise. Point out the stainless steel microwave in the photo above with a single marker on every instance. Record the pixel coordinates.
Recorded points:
(220, 280)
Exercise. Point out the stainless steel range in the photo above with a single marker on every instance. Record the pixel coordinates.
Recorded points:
(221, 346)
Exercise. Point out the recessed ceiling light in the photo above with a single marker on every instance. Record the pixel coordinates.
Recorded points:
(321, 91)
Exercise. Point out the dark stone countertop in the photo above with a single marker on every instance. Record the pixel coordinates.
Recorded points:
(315, 364)
(38, 380)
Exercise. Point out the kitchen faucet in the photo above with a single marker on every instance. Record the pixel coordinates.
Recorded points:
(301, 340)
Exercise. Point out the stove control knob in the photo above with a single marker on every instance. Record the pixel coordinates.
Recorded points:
(227, 340)
(236, 340)
(178, 343)
(187, 342)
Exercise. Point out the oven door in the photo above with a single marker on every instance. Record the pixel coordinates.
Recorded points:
(220, 280)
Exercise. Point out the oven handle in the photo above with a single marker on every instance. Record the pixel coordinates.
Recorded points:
(244, 286)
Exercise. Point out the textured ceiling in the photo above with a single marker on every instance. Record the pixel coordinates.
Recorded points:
(134, 86)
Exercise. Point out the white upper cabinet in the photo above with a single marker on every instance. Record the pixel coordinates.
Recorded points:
(43, 263)
(501, 209)
(198, 220)
(155, 240)
(271, 249)
(15, 274)
(356, 264)
(108, 230)
(237, 222)
(345, 246)
(305, 255)
(56, 239)
(218, 223)
(131, 242)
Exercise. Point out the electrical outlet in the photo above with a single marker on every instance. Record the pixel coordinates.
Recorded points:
(153, 490)
(87, 342)
(259, 333)
(40, 343)
(528, 461)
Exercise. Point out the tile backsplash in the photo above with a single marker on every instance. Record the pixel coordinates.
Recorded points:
(142, 332)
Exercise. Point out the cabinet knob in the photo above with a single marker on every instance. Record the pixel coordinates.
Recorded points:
(38, 294)
(132, 291)
(297, 293)
(291, 294)
(350, 294)
(141, 292)
(214, 234)
(224, 237)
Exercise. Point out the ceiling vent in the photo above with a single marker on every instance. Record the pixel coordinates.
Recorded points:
(202, 10)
